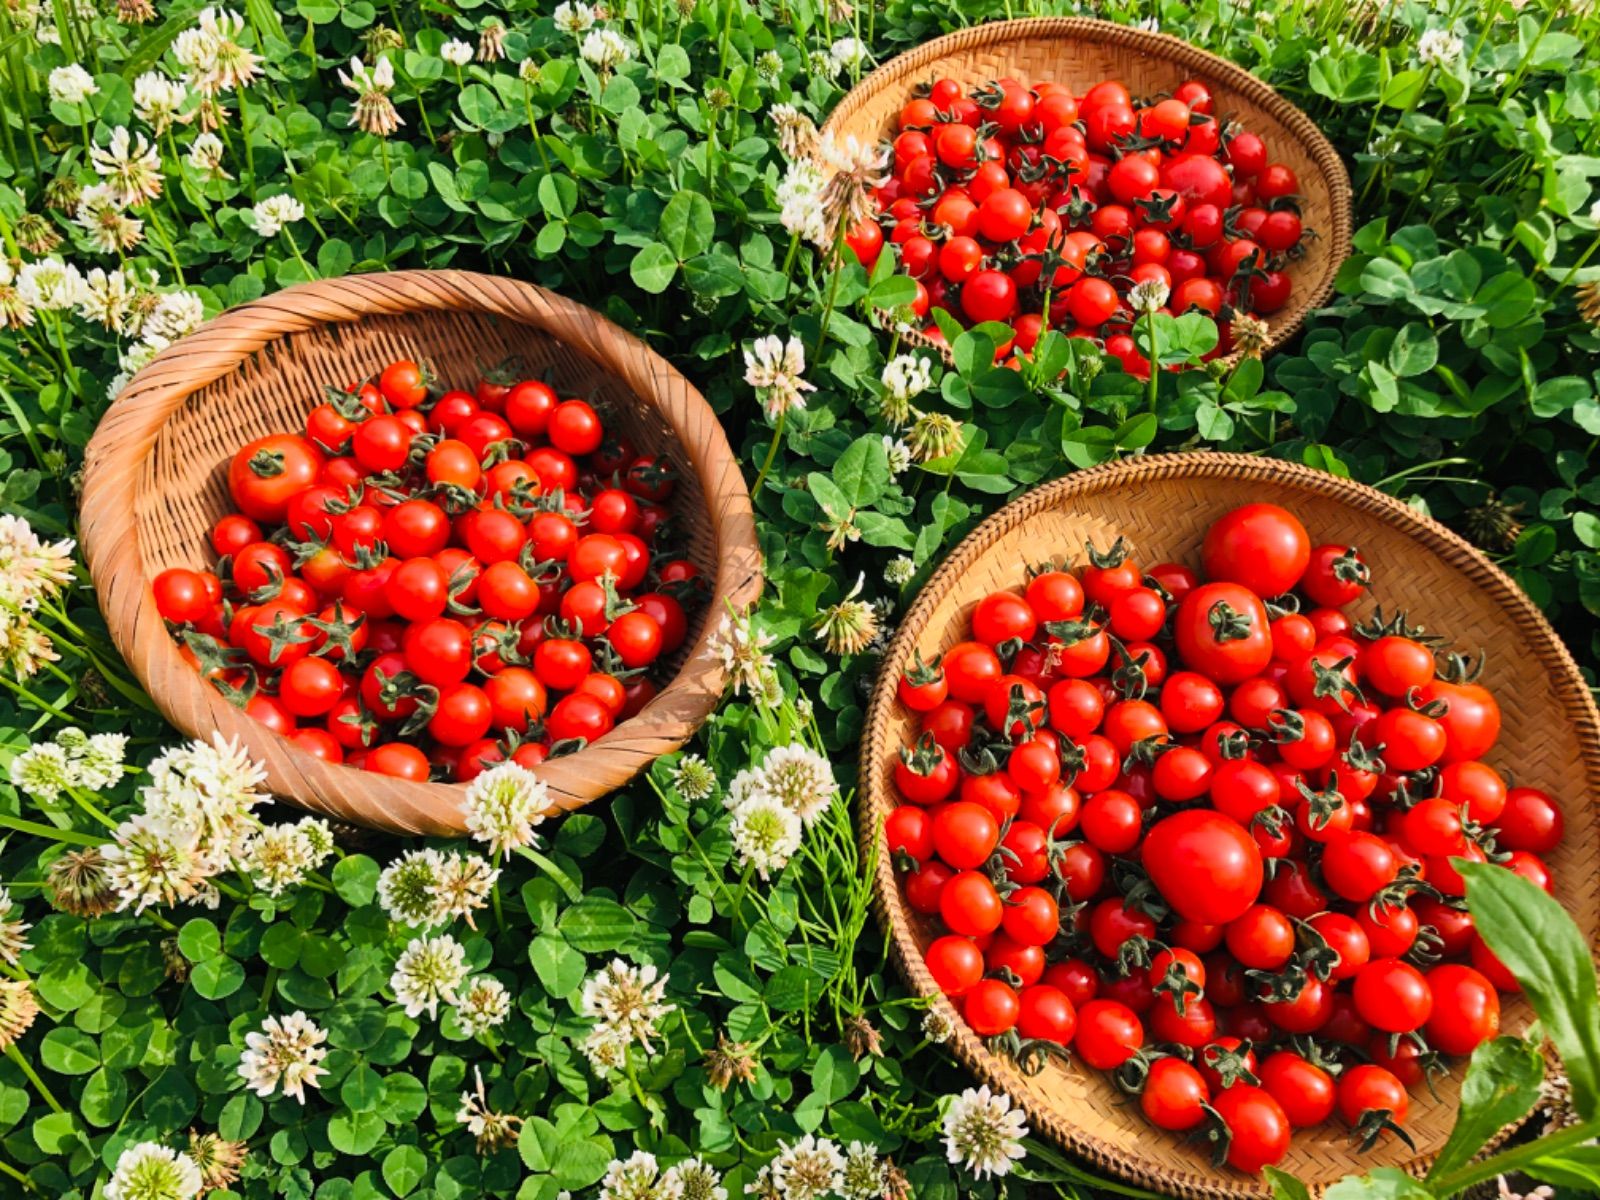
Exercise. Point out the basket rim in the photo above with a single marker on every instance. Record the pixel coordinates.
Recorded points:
(128, 431)
(1283, 326)
(872, 799)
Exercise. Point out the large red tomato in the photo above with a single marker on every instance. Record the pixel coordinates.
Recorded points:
(1222, 631)
(1208, 866)
(267, 473)
(1261, 546)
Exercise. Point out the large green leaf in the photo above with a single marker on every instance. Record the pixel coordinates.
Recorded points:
(1539, 943)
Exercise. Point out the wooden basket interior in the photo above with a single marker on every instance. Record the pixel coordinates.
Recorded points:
(1546, 723)
(1081, 53)
(184, 485)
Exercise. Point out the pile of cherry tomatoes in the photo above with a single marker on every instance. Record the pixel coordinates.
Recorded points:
(1033, 207)
(424, 584)
(1202, 828)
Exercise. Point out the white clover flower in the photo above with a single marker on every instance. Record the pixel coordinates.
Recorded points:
(905, 377)
(502, 806)
(151, 1171)
(849, 626)
(854, 170)
(694, 778)
(212, 789)
(106, 298)
(158, 99)
(13, 934)
(50, 285)
(272, 214)
(16, 311)
(100, 215)
(528, 70)
(286, 1051)
(494, 1130)
(25, 649)
(1149, 25)
(456, 52)
(1439, 47)
(766, 833)
(627, 1001)
(934, 435)
(465, 883)
(374, 112)
(983, 1132)
(636, 1177)
(606, 1048)
(42, 772)
(31, 569)
(802, 779)
(694, 1179)
(131, 166)
(213, 55)
(937, 1026)
(175, 315)
(746, 783)
(574, 17)
(205, 156)
(899, 455)
(71, 84)
(846, 54)
(797, 135)
(100, 762)
(156, 861)
(484, 1003)
(1594, 211)
(428, 973)
(863, 1174)
(1148, 296)
(808, 1169)
(775, 369)
(408, 888)
(799, 201)
(278, 857)
(742, 648)
(900, 570)
(605, 49)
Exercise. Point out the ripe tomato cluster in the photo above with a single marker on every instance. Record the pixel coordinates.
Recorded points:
(425, 583)
(1033, 207)
(1204, 829)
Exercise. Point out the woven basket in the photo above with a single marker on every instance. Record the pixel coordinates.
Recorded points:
(156, 479)
(1162, 504)
(1080, 52)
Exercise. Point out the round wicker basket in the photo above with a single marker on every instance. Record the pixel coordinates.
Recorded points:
(1078, 51)
(1162, 504)
(156, 479)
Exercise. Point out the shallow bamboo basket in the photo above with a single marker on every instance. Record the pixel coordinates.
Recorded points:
(156, 479)
(1162, 504)
(1080, 52)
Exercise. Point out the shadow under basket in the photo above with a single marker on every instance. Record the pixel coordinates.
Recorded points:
(1162, 505)
(1080, 52)
(156, 481)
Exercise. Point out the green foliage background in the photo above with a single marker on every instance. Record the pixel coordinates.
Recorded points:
(1454, 368)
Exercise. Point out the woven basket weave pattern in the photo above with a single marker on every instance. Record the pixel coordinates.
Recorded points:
(1079, 52)
(1162, 505)
(157, 479)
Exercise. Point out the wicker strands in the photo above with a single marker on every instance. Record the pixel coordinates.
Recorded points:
(1079, 52)
(157, 478)
(1162, 505)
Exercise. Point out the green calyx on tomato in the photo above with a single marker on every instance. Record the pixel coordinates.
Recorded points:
(1228, 624)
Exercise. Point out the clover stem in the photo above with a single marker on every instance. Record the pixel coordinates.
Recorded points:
(39, 1086)
(772, 453)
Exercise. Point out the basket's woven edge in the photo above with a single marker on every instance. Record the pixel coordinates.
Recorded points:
(906, 68)
(871, 799)
(114, 462)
